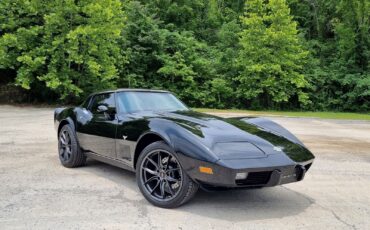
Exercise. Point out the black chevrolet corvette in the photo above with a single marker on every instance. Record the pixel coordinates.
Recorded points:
(174, 150)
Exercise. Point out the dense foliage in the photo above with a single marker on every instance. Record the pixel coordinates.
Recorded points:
(276, 54)
(68, 47)
(271, 66)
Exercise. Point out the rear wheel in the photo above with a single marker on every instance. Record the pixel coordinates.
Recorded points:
(70, 154)
(161, 178)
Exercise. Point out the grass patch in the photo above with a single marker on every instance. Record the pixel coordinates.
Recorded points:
(324, 115)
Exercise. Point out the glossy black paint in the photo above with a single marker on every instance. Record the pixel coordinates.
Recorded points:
(198, 140)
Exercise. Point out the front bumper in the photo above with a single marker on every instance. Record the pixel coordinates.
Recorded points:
(273, 170)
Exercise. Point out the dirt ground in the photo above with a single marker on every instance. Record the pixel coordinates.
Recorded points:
(36, 192)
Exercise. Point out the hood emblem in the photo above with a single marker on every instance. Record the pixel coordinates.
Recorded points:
(124, 137)
(278, 149)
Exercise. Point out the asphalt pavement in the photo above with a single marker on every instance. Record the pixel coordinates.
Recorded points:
(36, 192)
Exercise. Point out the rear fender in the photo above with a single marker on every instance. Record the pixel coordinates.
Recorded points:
(65, 121)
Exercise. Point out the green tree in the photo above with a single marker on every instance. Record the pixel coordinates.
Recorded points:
(221, 88)
(271, 58)
(159, 56)
(71, 46)
(212, 53)
(352, 64)
(337, 34)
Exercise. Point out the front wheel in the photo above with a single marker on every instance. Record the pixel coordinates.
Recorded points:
(161, 178)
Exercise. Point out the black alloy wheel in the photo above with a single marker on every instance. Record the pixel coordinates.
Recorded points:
(70, 153)
(161, 178)
(65, 145)
(161, 175)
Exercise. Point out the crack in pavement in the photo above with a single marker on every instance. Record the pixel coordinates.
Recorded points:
(337, 217)
(342, 221)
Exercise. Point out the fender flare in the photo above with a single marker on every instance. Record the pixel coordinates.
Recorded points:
(65, 121)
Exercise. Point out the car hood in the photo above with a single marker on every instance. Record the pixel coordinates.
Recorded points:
(232, 138)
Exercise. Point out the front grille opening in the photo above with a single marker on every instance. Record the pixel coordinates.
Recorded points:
(255, 178)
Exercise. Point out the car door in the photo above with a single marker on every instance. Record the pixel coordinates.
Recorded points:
(97, 133)
(130, 127)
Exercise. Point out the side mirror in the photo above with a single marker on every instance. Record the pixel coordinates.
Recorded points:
(102, 109)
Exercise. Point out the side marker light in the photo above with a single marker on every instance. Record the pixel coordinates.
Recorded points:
(205, 170)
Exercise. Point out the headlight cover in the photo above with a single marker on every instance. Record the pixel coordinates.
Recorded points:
(237, 150)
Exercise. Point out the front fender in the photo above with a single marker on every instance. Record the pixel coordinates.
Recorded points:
(273, 127)
(182, 140)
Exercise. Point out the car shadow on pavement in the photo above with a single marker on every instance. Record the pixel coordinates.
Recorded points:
(250, 204)
(117, 175)
(229, 205)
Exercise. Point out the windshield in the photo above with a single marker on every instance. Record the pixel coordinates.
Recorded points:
(130, 102)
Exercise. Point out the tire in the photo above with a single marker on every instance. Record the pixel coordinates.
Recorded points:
(171, 186)
(70, 153)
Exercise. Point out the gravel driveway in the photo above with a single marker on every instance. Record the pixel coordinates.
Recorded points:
(36, 192)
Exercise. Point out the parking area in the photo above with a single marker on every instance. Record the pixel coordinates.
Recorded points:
(36, 192)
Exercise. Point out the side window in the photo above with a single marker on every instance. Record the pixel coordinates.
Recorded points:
(106, 99)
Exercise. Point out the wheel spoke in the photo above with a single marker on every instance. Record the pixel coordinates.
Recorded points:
(62, 150)
(68, 139)
(150, 171)
(65, 155)
(69, 151)
(172, 169)
(168, 162)
(151, 179)
(170, 189)
(160, 160)
(162, 188)
(171, 179)
(153, 163)
(155, 187)
(63, 139)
